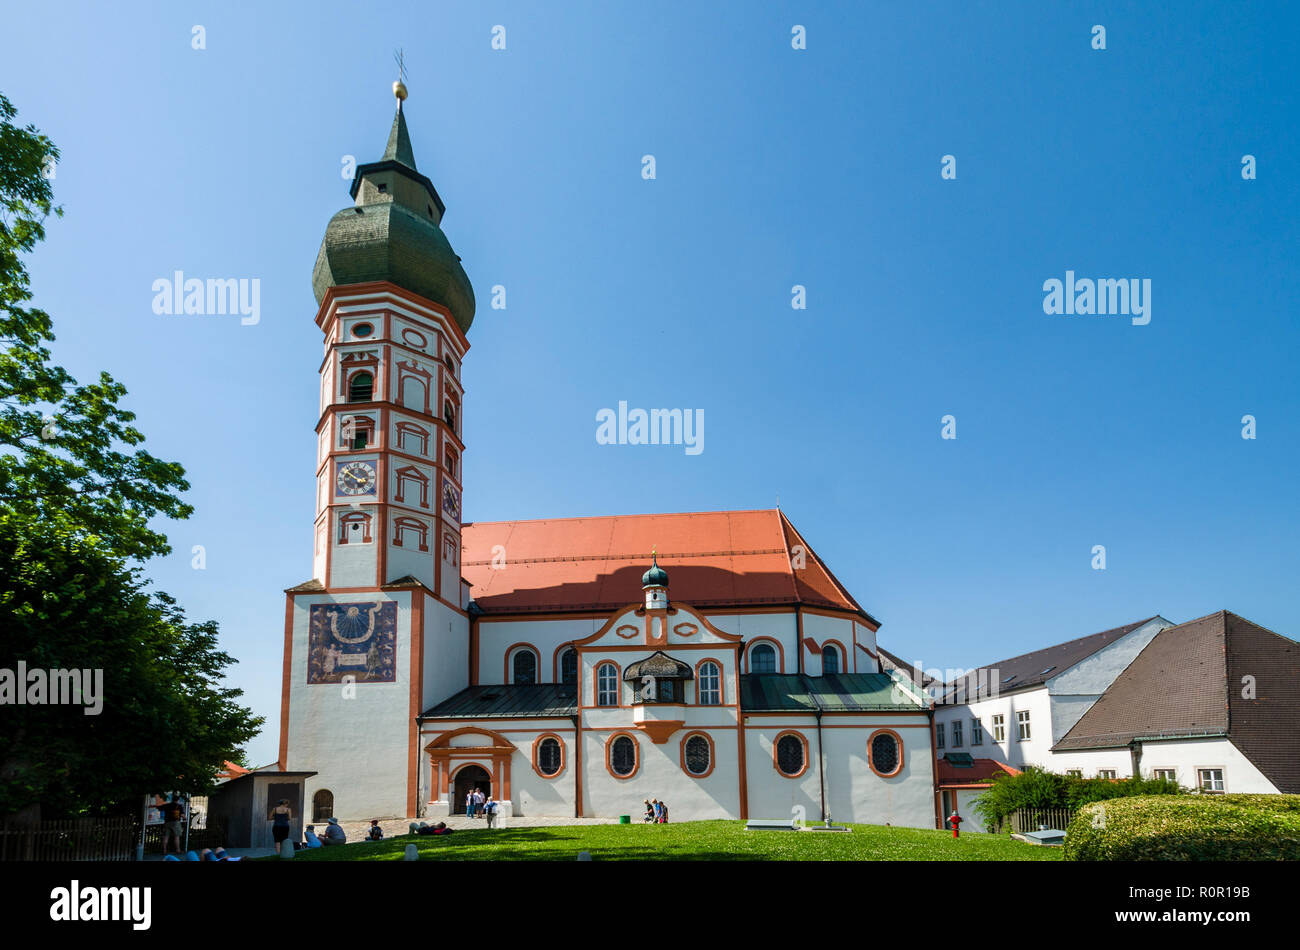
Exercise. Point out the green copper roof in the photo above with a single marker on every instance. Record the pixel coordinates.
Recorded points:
(392, 233)
(399, 142)
(835, 692)
(656, 576)
(544, 700)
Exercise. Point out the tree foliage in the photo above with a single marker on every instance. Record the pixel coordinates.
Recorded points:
(165, 720)
(1038, 788)
(77, 493)
(68, 451)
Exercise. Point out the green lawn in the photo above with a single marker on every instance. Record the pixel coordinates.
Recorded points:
(690, 841)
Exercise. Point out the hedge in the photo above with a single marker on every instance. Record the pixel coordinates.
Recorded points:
(1187, 828)
(1038, 788)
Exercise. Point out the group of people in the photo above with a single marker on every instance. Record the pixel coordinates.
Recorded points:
(479, 805)
(334, 834)
(656, 812)
(424, 828)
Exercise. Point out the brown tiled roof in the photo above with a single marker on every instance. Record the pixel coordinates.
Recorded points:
(1031, 669)
(714, 560)
(1266, 728)
(1189, 682)
(979, 772)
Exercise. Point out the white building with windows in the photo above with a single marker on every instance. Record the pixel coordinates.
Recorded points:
(1213, 704)
(1014, 711)
(540, 661)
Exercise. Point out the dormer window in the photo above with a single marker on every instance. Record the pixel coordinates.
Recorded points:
(383, 188)
(658, 679)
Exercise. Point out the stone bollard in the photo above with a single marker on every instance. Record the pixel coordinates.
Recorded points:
(286, 849)
(584, 855)
(411, 854)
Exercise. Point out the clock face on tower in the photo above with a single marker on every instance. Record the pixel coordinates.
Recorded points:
(355, 478)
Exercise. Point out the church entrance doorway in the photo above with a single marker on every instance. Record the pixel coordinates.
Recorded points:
(467, 779)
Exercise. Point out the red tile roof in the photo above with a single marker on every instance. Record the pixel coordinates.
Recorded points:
(714, 560)
(981, 772)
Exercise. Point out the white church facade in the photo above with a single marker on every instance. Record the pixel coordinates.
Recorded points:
(558, 665)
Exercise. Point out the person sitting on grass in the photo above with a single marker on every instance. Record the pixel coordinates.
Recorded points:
(439, 829)
(376, 833)
(312, 840)
(334, 833)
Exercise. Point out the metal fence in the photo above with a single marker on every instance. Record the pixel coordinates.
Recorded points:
(1030, 819)
(77, 839)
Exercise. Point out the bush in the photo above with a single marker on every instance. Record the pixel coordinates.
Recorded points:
(1187, 828)
(1039, 788)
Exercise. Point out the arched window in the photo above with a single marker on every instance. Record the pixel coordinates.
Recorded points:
(361, 387)
(622, 756)
(830, 660)
(790, 754)
(322, 805)
(607, 685)
(709, 684)
(549, 757)
(762, 659)
(449, 413)
(524, 667)
(885, 753)
(697, 755)
(569, 667)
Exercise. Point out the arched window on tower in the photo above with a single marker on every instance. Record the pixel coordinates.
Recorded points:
(449, 414)
(361, 387)
(830, 660)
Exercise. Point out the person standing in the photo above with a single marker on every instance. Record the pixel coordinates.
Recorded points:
(469, 803)
(479, 801)
(490, 812)
(173, 813)
(281, 816)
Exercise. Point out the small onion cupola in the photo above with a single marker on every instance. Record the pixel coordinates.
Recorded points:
(655, 584)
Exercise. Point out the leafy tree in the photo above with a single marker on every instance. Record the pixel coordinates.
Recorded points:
(68, 452)
(76, 497)
(164, 720)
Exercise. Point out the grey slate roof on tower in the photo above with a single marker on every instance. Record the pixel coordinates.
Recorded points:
(392, 233)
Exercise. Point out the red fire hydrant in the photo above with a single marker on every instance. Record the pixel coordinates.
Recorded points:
(954, 819)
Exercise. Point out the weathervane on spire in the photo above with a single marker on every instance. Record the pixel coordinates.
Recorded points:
(399, 87)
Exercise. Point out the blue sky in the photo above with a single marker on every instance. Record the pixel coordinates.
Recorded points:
(775, 167)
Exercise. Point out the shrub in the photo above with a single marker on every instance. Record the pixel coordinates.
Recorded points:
(1039, 788)
(1187, 828)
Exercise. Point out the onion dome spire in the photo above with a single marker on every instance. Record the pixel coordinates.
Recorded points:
(393, 231)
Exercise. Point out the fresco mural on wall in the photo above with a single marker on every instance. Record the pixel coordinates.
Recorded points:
(356, 640)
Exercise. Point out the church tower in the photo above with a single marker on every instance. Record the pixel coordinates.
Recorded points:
(381, 632)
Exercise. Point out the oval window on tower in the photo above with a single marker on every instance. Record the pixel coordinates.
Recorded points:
(363, 330)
